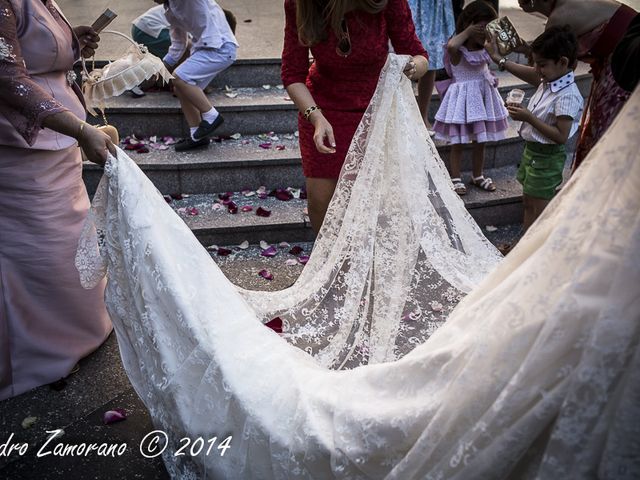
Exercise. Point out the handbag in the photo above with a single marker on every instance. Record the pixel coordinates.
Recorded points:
(505, 34)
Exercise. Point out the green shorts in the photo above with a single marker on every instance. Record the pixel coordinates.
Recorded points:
(540, 170)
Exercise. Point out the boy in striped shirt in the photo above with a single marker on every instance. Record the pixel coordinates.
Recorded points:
(551, 118)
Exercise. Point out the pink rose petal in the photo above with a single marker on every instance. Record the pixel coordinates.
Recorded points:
(303, 259)
(247, 208)
(265, 274)
(113, 416)
(192, 211)
(280, 147)
(265, 145)
(269, 252)
(263, 212)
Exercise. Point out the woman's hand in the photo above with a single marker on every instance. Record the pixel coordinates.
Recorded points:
(88, 39)
(95, 144)
(323, 133)
(416, 67)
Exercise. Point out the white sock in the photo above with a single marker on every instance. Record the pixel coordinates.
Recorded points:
(211, 115)
(193, 130)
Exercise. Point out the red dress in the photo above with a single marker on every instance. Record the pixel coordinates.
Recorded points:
(342, 87)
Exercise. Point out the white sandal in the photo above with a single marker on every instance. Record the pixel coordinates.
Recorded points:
(458, 186)
(485, 183)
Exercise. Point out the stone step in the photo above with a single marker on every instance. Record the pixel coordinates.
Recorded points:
(288, 221)
(243, 73)
(245, 110)
(236, 164)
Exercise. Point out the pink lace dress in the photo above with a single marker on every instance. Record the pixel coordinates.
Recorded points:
(471, 109)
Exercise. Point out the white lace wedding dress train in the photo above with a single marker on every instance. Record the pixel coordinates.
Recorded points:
(535, 374)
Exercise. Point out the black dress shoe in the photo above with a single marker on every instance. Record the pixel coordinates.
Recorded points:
(206, 129)
(189, 144)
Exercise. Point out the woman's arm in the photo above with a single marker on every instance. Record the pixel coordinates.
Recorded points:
(402, 33)
(301, 96)
(28, 107)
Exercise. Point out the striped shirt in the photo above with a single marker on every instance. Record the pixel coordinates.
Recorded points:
(552, 100)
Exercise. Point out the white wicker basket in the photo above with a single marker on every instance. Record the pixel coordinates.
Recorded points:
(123, 74)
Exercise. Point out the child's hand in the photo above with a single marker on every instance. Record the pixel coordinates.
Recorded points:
(520, 114)
(491, 46)
(476, 30)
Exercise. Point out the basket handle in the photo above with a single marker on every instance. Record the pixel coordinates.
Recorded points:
(113, 32)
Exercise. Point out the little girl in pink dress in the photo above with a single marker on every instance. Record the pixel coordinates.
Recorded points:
(472, 110)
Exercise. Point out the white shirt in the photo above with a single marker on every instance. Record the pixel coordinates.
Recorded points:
(203, 19)
(552, 100)
(153, 21)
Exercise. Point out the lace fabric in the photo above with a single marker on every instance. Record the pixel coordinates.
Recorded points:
(535, 370)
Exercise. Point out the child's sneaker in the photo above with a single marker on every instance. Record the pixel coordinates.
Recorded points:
(189, 144)
(206, 129)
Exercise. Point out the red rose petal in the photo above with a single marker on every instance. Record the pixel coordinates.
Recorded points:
(247, 208)
(192, 211)
(232, 208)
(303, 259)
(275, 325)
(296, 250)
(265, 145)
(223, 252)
(176, 196)
(263, 212)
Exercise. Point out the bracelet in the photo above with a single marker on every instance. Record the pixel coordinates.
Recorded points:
(502, 63)
(82, 124)
(307, 113)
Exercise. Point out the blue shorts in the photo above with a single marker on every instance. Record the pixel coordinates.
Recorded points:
(204, 64)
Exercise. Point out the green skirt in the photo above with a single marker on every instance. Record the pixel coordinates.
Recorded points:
(540, 170)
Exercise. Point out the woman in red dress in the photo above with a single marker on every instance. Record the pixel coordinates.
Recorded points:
(349, 41)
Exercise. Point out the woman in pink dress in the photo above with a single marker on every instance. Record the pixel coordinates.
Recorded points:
(47, 321)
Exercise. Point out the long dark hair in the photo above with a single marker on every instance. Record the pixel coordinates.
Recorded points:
(478, 11)
(313, 16)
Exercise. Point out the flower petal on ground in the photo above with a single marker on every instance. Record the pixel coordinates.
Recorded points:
(263, 212)
(264, 245)
(265, 274)
(113, 416)
(223, 252)
(296, 250)
(303, 259)
(269, 252)
(275, 324)
(247, 208)
(244, 245)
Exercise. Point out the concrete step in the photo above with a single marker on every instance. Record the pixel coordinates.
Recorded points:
(236, 164)
(287, 222)
(243, 73)
(245, 110)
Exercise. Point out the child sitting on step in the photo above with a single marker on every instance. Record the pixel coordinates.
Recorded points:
(213, 49)
(551, 119)
(472, 111)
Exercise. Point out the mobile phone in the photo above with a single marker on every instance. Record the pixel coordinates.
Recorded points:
(103, 20)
